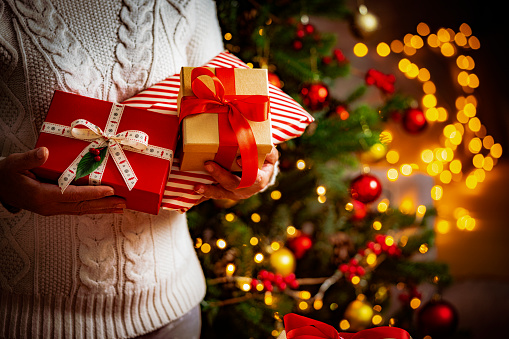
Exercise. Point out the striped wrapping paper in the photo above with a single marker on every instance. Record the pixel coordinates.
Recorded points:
(288, 120)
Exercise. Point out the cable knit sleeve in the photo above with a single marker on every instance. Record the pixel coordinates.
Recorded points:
(206, 41)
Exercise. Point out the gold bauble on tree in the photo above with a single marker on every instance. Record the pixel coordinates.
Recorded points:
(283, 261)
(359, 314)
(364, 23)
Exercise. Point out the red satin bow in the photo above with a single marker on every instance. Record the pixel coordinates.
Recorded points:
(299, 327)
(238, 107)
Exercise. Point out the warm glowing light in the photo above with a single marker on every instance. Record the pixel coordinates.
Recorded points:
(275, 246)
(199, 242)
(322, 199)
(404, 65)
(412, 71)
(442, 114)
(460, 39)
(423, 29)
(415, 303)
(473, 81)
(392, 174)
(229, 217)
(253, 241)
(268, 298)
(437, 192)
(230, 268)
(377, 225)
(421, 210)
(455, 166)
(427, 155)
(255, 217)
(349, 206)
(423, 248)
(447, 49)
(496, 151)
(360, 49)
(301, 164)
(318, 304)
(221, 243)
(445, 177)
(397, 46)
(480, 174)
(383, 49)
(320, 190)
(475, 145)
(305, 295)
(245, 287)
(389, 241)
(276, 195)
(385, 137)
(228, 36)
(429, 87)
(478, 160)
(488, 163)
(488, 141)
(383, 205)
(433, 41)
(291, 230)
(431, 114)
(466, 222)
(258, 258)
(423, 75)
(471, 181)
(344, 325)
(474, 43)
(429, 100)
(406, 169)
(355, 280)
(392, 157)
(442, 226)
(371, 259)
(205, 248)
(407, 206)
(416, 42)
(465, 29)
(443, 35)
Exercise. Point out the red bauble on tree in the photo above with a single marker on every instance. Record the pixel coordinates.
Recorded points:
(365, 188)
(274, 79)
(315, 96)
(359, 211)
(438, 319)
(414, 121)
(300, 245)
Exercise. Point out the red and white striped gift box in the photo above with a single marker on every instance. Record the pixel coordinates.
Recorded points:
(288, 120)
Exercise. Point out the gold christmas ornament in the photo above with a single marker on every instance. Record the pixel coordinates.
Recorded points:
(283, 261)
(364, 22)
(359, 314)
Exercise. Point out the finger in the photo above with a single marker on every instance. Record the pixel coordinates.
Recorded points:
(28, 160)
(216, 192)
(270, 158)
(82, 193)
(228, 180)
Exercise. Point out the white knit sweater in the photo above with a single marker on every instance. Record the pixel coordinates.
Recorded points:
(96, 276)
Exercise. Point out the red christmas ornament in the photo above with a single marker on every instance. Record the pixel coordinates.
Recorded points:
(384, 82)
(338, 54)
(359, 211)
(365, 188)
(341, 112)
(438, 319)
(414, 121)
(297, 45)
(309, 28)
(300, 245)
(315, 96)
(274, 79)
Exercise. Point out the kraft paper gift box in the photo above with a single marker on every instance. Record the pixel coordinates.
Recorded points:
(208, 133)
(141, 146)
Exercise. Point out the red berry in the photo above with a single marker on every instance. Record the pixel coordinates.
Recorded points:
(278, 278)
(263, 274)
(309, 28)
(361, 271)
(293, 284)
(270, 276)
(97, 158)
(297, 45)
(353, 269)
(343, 268)
(94, 151)
(282, 286)
(290, 277)
(354, 261)
(268, 286)
(254, 283)
(300, 33)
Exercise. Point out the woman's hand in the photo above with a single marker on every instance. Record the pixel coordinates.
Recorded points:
(20, 188)
(228, 182)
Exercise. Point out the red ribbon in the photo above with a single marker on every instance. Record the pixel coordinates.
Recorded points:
(299, 327)
(239, 109)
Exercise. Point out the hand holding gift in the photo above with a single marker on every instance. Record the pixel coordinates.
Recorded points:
(19, 188)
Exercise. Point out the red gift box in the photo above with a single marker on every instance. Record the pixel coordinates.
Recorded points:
(146, 169)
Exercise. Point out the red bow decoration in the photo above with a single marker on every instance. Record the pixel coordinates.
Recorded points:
(239, 108)
(299, 327)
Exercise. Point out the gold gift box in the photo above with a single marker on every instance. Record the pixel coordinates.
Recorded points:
(200, 132)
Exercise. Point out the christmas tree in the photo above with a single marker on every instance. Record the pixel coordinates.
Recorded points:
(325, 241)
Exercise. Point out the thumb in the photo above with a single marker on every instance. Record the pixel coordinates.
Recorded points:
(31, 159)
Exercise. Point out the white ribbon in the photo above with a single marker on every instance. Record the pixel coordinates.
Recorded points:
(132, 140)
